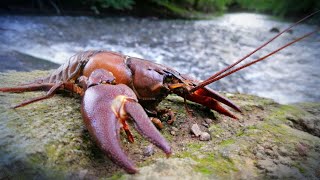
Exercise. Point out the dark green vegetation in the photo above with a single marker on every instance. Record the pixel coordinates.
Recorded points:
(161, 8)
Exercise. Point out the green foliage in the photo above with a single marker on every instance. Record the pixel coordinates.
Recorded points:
(114, 4)
(276, 7)
(191, 8)
(171, 8)
(281, 7)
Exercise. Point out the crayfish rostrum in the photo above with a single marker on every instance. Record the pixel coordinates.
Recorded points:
(116, 88)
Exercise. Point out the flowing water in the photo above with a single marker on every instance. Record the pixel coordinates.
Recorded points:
(195, 47)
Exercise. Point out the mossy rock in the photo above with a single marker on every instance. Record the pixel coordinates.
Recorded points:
(48, 140)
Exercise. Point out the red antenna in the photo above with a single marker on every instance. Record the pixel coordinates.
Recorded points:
(215, 77)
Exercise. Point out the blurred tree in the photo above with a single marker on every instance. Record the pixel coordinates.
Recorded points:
(281, 7)
(161, 8)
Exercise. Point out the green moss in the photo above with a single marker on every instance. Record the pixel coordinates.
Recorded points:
(194, 146)
(217, 165)
(216, 130)
(117, 176)
(208, 162)
(284, 111)
(227, 142)
(248, 131)
(299, 167)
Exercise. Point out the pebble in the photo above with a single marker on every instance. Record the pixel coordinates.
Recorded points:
(173, 133)
(195, 129)
(205, 124)
(208, 121)
(204, 136)
(148, 151)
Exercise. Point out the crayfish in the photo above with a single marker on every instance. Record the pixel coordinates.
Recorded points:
(116, 88)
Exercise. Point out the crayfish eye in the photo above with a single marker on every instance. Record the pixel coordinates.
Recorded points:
(168, 78)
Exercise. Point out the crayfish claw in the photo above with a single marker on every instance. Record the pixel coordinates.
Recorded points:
(104, 125)
(106, 109)
(205, 91)
(205, 98)
(145, 127)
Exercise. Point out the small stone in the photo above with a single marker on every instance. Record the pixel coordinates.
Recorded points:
(274, 30)
(174, 129)
(172, 133)
(148, 151)
(260, 155)
(208, 121)
(229, 95)
(205, 124)
(265, 164)
(204, 136)
(195, 129)
(302, 149)
(83, 173)
(269, 152)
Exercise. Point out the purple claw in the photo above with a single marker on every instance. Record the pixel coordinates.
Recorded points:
(104, 126)
(145, 127)
(105, 109)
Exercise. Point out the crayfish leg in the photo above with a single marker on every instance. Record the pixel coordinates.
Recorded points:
(127, 130)
(27, 88)
(49, 94)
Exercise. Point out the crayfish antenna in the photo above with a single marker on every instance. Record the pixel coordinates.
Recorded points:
(214, 77)
(259, 59)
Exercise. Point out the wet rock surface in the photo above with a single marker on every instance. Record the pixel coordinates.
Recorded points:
(17, 61)
(47, 139)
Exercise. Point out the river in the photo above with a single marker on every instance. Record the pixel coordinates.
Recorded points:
(195, 47)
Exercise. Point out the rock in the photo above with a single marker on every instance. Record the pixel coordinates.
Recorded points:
(274, 30)
(302, 149)
(195, 129)
(283, 151)
(208, 121)
(205, 125)
(204, 136)
(309, 118)
(23, 62)
(266, 164)
(48, 140)
(149, 150)
(172, 133)
(172, 168)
